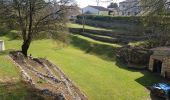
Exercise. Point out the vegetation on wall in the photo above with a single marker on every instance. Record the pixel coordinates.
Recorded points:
(157, 22)
(134, 19)
(130, 24)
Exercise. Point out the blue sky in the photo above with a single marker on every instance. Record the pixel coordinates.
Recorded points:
(83, 3)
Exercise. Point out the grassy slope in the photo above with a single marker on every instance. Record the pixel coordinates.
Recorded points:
(11, 86)
(72, 25)
(7, 69)
(10, 74)
(99, 79)
(98, 42)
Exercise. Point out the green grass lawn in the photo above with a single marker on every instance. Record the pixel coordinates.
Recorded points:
(9, 74)
(7, 69)
(100, 79)
(97, 42)
(73, 25)
(11, 86)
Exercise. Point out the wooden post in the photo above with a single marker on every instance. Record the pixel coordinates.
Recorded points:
(2, 45)
(83, 21)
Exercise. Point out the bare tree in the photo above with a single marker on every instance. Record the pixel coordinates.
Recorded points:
(33, 17)
(156, 18)
(113, 5)
(103, 1)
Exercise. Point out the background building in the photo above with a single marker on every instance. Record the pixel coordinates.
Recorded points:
(99, 10)
(129, 8)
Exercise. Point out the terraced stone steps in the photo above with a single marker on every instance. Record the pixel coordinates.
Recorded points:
(109, 36)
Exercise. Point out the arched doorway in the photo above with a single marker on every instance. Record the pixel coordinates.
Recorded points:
(157, 66)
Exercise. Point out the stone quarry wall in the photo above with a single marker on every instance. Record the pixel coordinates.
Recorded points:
(133, 55)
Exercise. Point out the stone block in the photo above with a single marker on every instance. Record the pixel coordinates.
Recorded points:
(2, 45)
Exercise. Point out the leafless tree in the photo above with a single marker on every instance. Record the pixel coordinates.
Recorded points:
(156, 18)
(103, 1)
(33, 17)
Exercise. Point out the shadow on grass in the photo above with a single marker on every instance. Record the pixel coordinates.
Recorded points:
(153, 97)
(10, 34)
(148, 78)
(6, 52)
(107, 52)
(17, 91)
(103, 51)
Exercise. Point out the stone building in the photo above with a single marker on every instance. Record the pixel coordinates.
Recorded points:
(129, 8)
(2, 46)
(160, 61)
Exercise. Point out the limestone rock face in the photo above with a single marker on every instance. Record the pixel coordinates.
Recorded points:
(133, 55)
(49, 81)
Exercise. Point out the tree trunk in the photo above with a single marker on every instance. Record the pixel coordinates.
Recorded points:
(25, 47)
(26, 43)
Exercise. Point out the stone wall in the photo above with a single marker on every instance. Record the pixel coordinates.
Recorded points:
(168, 67)
(165, 71)
(128, 26)
(133, 56)
(107, 36)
